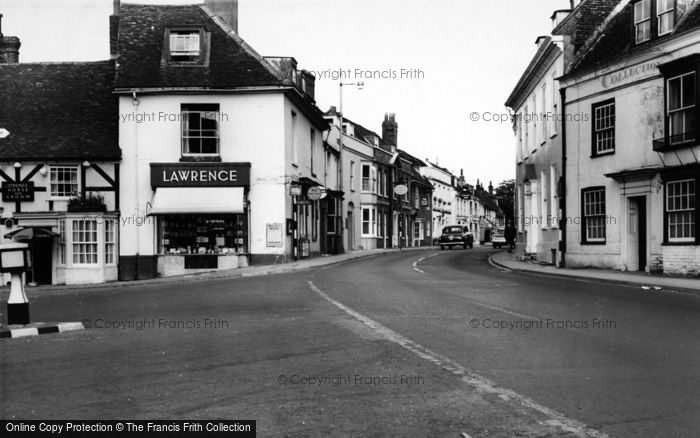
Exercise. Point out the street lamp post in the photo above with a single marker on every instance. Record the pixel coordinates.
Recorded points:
(360, 85)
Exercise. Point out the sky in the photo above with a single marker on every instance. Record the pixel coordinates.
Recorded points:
(459, 60)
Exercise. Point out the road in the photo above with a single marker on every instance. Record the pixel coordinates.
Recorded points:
(417, 343)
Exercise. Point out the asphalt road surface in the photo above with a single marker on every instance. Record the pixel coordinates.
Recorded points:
(417, 343)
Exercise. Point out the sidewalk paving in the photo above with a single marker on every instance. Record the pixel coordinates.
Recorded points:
(645, 280)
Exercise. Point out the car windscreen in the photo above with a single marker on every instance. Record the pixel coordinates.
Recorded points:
(452, 230)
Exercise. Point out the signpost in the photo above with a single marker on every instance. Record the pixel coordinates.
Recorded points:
(401, 189)
(314, 193)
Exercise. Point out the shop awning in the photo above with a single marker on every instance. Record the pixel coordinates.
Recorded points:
(31, 233)
(198, 200)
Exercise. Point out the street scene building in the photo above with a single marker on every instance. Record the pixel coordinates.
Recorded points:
(621, 79)
(634, 173)
(535, 102)
(223, 242)
(60, 174)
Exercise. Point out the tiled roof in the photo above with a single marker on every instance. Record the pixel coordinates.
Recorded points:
(141, 62)
(613, 41)
(583, 21)
(59, 111)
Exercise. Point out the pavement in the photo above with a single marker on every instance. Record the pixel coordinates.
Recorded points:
(645, 280)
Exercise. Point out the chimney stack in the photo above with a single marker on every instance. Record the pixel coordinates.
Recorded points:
(114, 28)
(390, 130)
(227, 10)
(9, 48)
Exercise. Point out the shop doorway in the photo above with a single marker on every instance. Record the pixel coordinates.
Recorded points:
(637, 233)
(42, 259)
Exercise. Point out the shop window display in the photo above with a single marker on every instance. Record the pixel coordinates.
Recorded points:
(212, 234)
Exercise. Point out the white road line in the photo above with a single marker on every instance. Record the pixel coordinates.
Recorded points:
(415, 265)
(474, 380)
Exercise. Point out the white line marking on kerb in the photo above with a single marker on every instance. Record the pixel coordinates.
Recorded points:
(481, 383)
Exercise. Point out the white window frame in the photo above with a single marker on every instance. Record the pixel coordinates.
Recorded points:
(371, 222)
(555, 104)
(681, 109)
(682, 206)
(295, 148)
(592, 214)
(62, 243)
(604, 125)
(544, 210)
(369, 182)
(638, 21)
(543, 125)
(54, 171)
(185, 110)
(85, 249)
(670, 10)
(352, 176)
(553, 204)
(110, 243)
(191, 44)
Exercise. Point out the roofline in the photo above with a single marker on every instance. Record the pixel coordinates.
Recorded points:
(535, 66)
(244, 45)
(104, 158)
(48, 63)
(188, 90)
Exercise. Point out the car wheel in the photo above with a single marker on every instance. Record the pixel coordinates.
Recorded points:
(442, 247)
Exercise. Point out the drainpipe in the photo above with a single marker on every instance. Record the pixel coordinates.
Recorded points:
(562, 195)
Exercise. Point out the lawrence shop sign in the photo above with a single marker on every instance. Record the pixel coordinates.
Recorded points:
(200, 174)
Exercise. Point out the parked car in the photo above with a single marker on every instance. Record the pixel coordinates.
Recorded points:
(456, 235)
(498, 238)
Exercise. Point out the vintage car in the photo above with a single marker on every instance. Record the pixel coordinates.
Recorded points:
(456, 235)
(498, 238)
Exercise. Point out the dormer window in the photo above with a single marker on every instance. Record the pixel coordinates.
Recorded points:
(642, 21)
(666, 14)
(185, 46)
(655, 18)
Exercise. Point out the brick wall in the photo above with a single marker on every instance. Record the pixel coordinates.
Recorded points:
(682, 260)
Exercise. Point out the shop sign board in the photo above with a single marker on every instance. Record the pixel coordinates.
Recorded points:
(200, 174)
(18, 191)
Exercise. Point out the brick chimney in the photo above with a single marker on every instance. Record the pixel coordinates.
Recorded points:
(114, 28)
(9, 48)
(390, 130)
(227, 10)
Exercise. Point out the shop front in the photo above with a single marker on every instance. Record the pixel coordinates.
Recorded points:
(201, 212)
